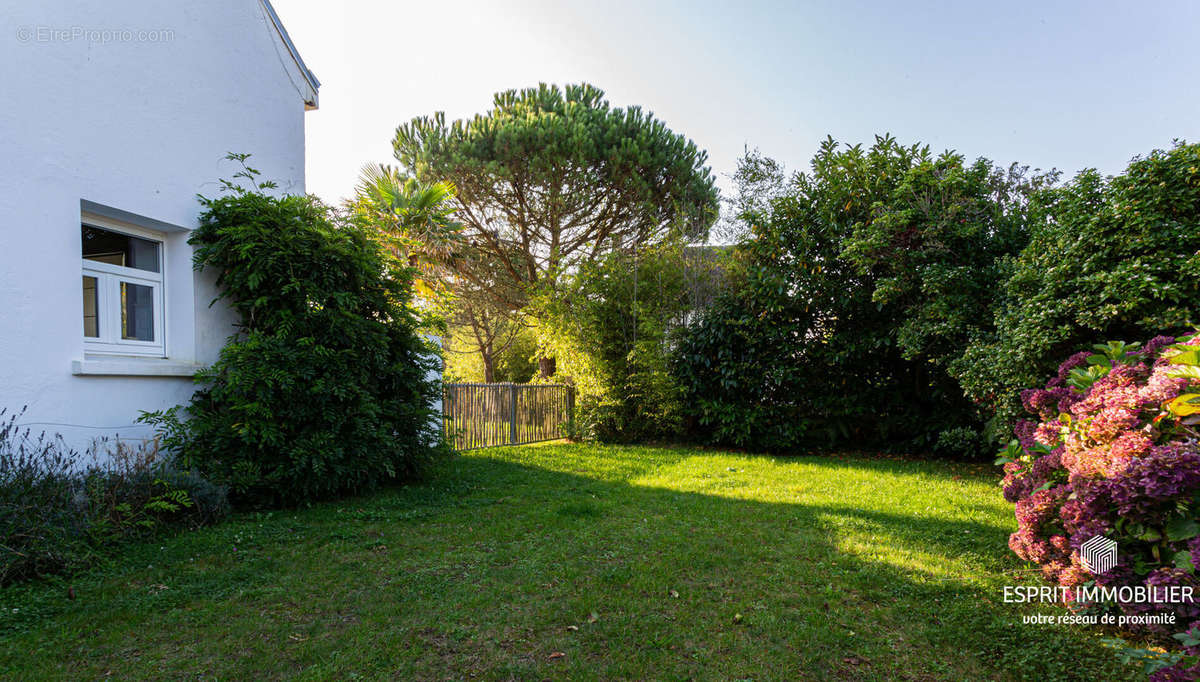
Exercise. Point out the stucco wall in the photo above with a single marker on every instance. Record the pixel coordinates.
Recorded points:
(137, 122)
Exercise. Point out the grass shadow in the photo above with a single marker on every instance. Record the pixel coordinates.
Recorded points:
(581, 563)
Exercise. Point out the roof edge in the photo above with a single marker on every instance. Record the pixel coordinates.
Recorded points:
(309, 103)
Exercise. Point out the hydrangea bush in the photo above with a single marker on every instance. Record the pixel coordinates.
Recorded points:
(1112, 450)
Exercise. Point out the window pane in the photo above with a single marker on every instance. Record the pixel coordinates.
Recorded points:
(137, 312)
(120, 249)
(91, 317)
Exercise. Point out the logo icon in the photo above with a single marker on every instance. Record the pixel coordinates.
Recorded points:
(1098, 555)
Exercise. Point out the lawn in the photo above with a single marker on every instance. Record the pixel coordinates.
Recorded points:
(580, 562)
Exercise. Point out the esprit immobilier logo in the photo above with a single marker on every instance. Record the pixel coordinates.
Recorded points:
(1098, 555)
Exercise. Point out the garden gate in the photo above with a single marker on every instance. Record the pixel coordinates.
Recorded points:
(486, 415)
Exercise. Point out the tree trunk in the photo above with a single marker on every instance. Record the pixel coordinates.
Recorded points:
(546, 367)
(489, 368)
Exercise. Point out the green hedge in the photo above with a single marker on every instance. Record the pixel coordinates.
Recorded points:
(888, 298)
(325, 389)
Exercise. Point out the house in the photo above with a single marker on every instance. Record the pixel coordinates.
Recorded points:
(118, 114)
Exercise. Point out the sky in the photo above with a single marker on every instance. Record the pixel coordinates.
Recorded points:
(1067, 85)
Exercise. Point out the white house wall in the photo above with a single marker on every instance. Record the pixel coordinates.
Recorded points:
(133, 122)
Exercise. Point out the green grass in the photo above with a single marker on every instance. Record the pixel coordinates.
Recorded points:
(580, 562)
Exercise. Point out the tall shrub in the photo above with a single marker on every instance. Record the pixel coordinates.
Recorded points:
(1111, 257)
(325, 388)
(935, 247)
(610, 326)
(857, 284)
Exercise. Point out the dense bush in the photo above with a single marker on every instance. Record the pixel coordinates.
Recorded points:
(60, 508)
(935, 245)
(610, 327)
(858, 283)
(326, 388)
(888, 298)
(1113, 451)
(1109, 258)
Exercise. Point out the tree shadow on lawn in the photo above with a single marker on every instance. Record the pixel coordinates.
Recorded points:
(496, 567)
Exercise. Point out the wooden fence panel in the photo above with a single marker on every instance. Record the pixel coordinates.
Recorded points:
(487, 415)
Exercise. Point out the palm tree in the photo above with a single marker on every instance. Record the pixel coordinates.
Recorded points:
(415, 221)
(417, 224)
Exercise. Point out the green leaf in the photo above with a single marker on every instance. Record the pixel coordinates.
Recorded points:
(1184, 405)
(1150, 535)
(1191, 356)
(1190, 638)
(1182, 529)
(1184, 372)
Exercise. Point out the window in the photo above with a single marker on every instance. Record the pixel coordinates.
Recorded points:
(122, 292)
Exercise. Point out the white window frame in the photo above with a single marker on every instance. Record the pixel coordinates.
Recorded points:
(108, 296)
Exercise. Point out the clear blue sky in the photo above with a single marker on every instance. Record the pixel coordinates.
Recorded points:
(1051, 84)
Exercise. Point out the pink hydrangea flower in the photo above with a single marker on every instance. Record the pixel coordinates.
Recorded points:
(1118, 466)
